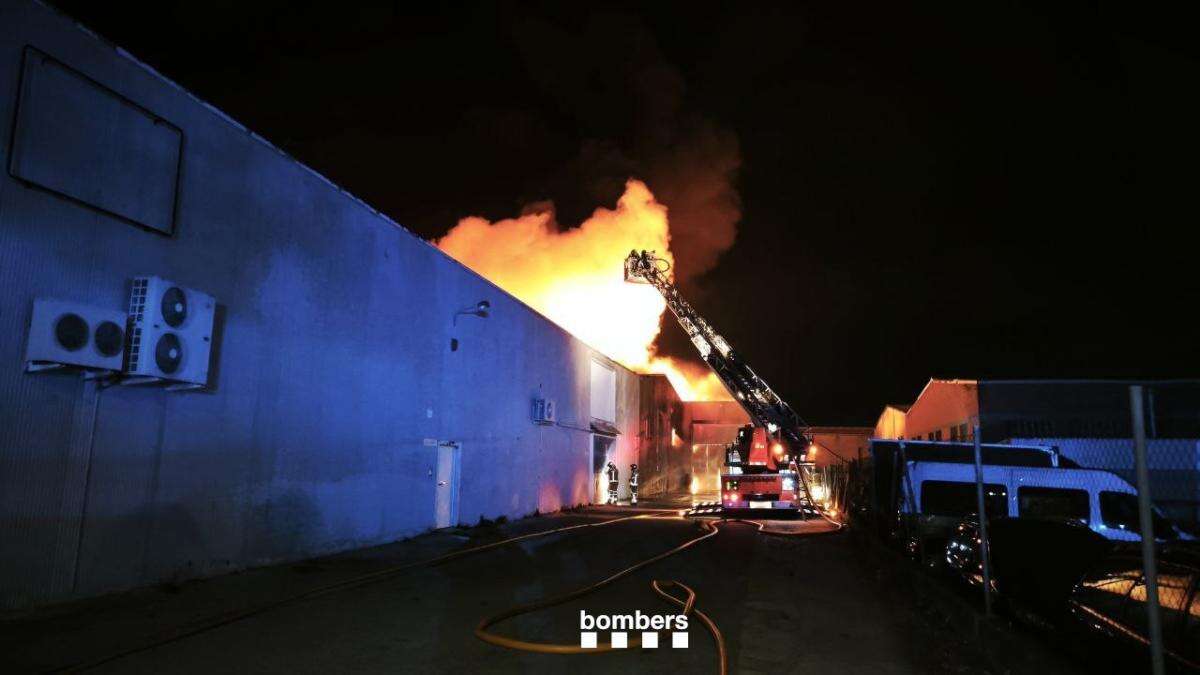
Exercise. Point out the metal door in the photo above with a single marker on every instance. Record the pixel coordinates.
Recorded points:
(446, 504)
(601, 447)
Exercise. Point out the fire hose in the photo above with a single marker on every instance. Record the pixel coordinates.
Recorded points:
(687, 605)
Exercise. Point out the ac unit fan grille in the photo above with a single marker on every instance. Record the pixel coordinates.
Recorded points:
(174, 307)
(71, 332)
(168, 353)
(109, 338)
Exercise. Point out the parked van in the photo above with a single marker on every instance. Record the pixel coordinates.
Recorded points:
(937, 495)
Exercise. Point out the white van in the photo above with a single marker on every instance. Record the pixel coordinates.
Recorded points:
(939, 494)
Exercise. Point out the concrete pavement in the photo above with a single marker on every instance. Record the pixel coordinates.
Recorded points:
(784, 604)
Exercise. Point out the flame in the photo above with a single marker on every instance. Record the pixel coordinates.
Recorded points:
(574, 277)
(692, 382)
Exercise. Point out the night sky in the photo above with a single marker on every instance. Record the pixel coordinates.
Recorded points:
(962, 191)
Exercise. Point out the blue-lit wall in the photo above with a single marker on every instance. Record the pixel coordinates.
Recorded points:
(333, 374)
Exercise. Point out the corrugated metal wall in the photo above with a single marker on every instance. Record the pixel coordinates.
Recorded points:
(332, 368)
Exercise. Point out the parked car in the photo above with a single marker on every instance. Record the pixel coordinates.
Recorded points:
(1107, 608)
(1036, 562)
(1062, 576)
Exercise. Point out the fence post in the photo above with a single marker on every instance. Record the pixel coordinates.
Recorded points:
(1149, 565)
(984, 544)
(911, 499)
(1151, 417)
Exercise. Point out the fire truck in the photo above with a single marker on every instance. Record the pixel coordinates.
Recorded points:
(766, 466)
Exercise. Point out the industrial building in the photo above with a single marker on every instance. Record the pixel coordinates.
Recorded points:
(947, 409)
(890, 424)
(1088, 422)
(360, 386)
(834, 445)
(214, 358)
(682, 440)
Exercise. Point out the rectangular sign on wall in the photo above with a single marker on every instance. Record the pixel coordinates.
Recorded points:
(80, 139)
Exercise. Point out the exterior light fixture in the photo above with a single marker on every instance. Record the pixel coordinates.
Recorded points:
(480, 310)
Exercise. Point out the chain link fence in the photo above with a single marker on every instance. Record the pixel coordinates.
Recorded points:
(1093, 538)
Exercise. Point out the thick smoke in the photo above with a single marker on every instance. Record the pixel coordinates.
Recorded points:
(694, 178)
(642, 151)
(611, 75)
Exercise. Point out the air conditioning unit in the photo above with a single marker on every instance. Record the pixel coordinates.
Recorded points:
(544, 411)
(70, 334)
(170, 331)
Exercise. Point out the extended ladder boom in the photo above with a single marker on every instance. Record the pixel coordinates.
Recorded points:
(758, 399)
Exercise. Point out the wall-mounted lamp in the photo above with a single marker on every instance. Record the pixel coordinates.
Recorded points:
(480, 310)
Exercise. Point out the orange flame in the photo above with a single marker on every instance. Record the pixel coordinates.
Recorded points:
(574, 277)
(692, 381)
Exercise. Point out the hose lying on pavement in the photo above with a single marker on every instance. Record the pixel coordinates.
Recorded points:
(688, 606)
(354, 582)
(762, 528)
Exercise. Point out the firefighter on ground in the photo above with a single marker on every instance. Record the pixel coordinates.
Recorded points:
(614, 477)
(633, 483)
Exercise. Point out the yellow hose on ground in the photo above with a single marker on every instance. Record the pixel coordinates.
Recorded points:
(778, 533)
(688, 606)
(481, 631)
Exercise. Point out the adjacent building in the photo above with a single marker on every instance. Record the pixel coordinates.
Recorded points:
(890, 424)
(944, 410)
(838, 445)
(1004, 409)
(662, 463)
(1087, 421)
(683, 442)
(705, 429)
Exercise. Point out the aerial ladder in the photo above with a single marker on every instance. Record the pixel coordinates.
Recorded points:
(766, 466)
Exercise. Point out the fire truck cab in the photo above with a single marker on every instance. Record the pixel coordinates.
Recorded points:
(760, 473)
